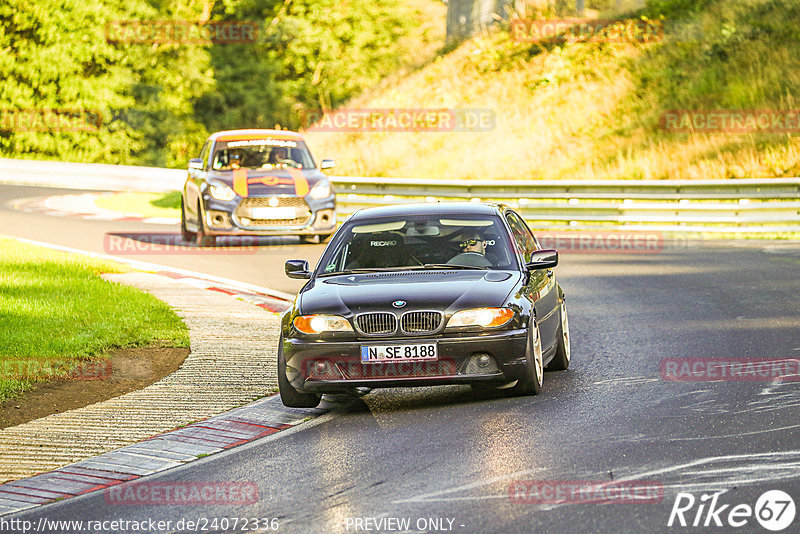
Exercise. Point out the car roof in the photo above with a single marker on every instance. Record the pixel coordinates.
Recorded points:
(430, 208)
(228, 135)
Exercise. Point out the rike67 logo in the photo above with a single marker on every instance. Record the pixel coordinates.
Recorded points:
(774, 510)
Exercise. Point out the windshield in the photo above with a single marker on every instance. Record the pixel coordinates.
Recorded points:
(419, 242)
(264, 153)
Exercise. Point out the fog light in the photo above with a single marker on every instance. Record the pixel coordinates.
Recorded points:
(481, 364)
(217, 219)
(325, 218)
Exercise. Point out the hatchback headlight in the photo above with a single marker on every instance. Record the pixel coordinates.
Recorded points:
(321, 324)
(321, 190)
(221, 191)
(481, 318)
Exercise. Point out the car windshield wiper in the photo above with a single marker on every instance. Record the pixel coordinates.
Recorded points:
(370, 270)
(452, 266)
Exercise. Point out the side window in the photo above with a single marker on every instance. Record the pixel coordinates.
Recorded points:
(523, 237)
(204, 153)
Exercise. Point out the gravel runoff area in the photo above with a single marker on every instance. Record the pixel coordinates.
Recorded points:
(232, 363)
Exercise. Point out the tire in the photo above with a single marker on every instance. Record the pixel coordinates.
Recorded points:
(561, 360)
(203, 240)
(186, 235)
(290, 396)
(531, 383)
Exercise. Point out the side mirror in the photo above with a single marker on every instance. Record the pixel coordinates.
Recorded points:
(297, 269)
(543, 259)
(327, 164)
(196, 163)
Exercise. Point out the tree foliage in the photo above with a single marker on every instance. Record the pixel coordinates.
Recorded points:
(70, 92)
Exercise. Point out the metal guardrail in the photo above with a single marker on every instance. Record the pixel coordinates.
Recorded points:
(734, 205)
(90, 176)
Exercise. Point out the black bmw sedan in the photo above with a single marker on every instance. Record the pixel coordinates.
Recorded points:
(420, 295)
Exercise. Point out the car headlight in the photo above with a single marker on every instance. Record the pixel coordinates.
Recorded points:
(322, 324)
(321, 190)
(481, 318)
(221, 191)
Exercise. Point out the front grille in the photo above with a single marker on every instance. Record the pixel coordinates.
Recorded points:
(420, 322)
(302, 212)
(283, 202)
(300, 221)
(377, 323)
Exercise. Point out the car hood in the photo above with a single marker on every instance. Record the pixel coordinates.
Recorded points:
(445, 290)
(258, 182)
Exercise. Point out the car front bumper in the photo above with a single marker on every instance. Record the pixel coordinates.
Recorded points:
(331, 366)
(220, 219)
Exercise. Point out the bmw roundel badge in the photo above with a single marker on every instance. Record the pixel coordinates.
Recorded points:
(399, 303)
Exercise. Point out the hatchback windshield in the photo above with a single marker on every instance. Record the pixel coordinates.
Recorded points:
(264, 153)
(420, 242)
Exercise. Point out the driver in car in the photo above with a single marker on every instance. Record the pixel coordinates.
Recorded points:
(473, 251)
(280, 156)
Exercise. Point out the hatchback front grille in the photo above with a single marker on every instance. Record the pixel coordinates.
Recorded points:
(273, 202)
(299, 213)
(377, 323)
(421, 322)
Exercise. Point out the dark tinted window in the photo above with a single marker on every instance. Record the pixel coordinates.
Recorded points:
(522, 235)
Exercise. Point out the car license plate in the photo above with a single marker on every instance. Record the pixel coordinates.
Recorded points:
(272, 213)
(398, 353)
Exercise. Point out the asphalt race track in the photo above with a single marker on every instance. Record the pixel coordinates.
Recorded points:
(447, 459)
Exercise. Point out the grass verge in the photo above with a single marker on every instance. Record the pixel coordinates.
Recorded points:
(143, 204)
(57, 314)
(592, 109)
